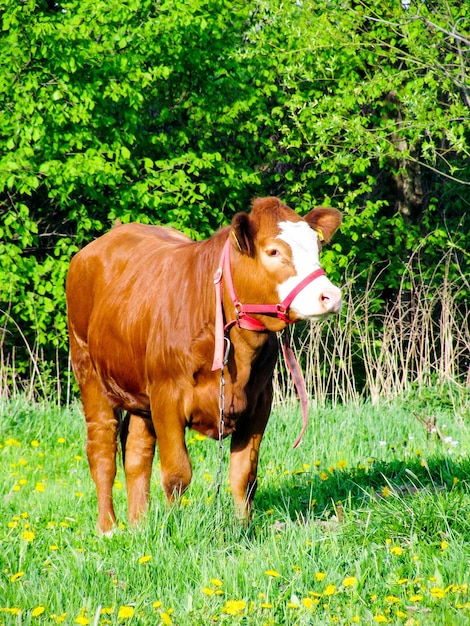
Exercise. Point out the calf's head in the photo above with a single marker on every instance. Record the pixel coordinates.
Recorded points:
(283, 249)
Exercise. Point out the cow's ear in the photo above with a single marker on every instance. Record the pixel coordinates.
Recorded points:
(243, 234)
(324, 221)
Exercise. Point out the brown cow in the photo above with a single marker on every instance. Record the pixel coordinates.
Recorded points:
(142, 323)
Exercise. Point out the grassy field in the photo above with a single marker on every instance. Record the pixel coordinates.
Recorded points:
(367, 522)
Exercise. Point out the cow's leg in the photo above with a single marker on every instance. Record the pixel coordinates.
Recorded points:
(244, 451)
(139, 453)
(101, 422)
(169, 423)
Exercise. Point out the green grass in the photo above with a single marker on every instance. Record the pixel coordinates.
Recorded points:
(368, 521)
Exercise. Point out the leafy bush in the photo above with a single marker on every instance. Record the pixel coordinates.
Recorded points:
(181, 113)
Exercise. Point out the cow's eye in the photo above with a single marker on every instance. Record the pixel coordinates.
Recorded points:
(273, 252)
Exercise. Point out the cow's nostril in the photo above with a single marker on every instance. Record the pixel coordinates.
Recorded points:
(331, 300)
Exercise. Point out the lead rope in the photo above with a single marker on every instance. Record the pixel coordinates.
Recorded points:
(218, 482)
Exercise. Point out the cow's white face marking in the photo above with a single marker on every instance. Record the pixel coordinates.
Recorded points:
(320, 297)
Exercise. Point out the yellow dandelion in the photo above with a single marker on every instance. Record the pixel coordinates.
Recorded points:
(342, 464)
(157, 604)
(107, 610)
(438, 593)
(319, 576)
(199, 437)
(28, 535)
(35, 443)
(386, 492)
(166, 619)
(125, 612)
(380, 619)
(82, 620)
(266, 605)
(207, 591)
(234, 607)
(444, 545)
(349, 581)
(309, 603)
(392, 599)
(145, 559)
(272, 573)
(324, 475)
(12, 442)
(401, 614)
(216, 582)
(416, 598)
(396, 550)
(61, 440)
(16, 576)
(40, 487)
(330, 590)
(39, 610)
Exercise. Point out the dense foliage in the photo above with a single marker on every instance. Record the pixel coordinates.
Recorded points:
(180, 113)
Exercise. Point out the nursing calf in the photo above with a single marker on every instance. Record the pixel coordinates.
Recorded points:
(147, 328)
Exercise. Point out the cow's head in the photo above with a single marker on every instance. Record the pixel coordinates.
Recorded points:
(283, 249)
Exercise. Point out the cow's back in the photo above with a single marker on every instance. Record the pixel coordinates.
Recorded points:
(126, 295)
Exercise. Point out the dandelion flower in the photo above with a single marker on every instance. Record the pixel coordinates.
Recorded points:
(16, 576)
(349, 581)
(392, 599)
(444, 545)
(216, 582)
(330, 590)
(396, 550)
(438, 593)
(319, 576)
(273, 573)
(416, 598)
(28, 535)
(39, 610)
(309, 603)
(380, 619)
(145, 559)
(82, 620)
(342, 464)
(125, 612)
(234, 607)
(207, 591)
(166, 619)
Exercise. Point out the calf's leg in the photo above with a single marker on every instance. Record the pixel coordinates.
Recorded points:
(139, 453)
(169, 424)
(244, 452)
(101, 422)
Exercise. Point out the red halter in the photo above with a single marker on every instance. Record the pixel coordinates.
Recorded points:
(246, 322)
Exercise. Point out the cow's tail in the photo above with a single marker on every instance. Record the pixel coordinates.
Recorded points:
(123, 430)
